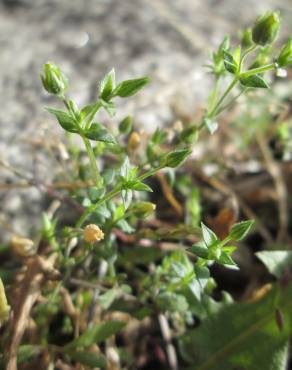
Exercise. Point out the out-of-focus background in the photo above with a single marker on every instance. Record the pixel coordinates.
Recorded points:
(168, 40)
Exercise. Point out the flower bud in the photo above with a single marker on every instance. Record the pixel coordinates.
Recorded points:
(285, 57)
(134, 142)
(266, 28)
(92, 233)
(125, 125)
(143, 209)
(22, 246)
(54, 81)
(246, 38)
(4, 307)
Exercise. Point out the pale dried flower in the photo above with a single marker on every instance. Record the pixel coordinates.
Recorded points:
(22, 246)
(92, 233)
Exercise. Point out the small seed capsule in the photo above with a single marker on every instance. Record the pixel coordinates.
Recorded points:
(92, 233)
(134, 142)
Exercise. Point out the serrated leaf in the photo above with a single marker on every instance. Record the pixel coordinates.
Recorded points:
(98, 132)
(255, 81)
(130, 87)
(277, 262)
(65, 120)
(96, 334)
(240, 230)
(243, 336)
(208, 235)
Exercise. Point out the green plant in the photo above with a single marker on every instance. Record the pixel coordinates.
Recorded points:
(142, 281)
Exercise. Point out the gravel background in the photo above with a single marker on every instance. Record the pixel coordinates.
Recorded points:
(165, 39)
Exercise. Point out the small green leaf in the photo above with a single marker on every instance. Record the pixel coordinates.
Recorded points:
(85, 111)
(98, 132)
(107, 85)
(89, 359)
(175, 158)
(202, 275)
(140, 186)
(127, 195)
(130, 87)
(255, 81)
(65, 120)
(200, 250)
(229, 62)
(96, 334)
(225, 259)
(211, 125)
(125, 169)
(240, 230)
(208, 235)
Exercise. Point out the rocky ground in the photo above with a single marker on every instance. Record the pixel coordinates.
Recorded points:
(168, 40)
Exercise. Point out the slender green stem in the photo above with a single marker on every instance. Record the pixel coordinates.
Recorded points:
(254, 71)
(220, 101)
(92, 114)
(245, 53)
(92, 160)
(227, 105)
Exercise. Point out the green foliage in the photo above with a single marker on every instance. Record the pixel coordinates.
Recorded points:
(112, 258)
(243, 335)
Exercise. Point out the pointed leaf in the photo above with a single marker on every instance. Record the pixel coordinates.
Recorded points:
(98, 132)
(130, 87)
(240, 230)
(65, 120)
(208, 235)
(256, 81)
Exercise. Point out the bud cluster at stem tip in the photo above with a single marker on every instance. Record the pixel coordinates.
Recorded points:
(53, 79)
(266, 28)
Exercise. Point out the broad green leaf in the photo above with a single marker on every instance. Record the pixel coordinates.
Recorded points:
(276, 261)
(98, 132)
(65, 120)
(208, 235)
(90, 359)
(240, 230)
(96, 334)
(107, 85)
(256, 81)
(130, 87)
(243, 335)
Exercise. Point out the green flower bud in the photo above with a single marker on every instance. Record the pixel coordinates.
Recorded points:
(54, 81)
(126, 125)
(266, 28)
(246, 38)
(285, 57)
(143, 209)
